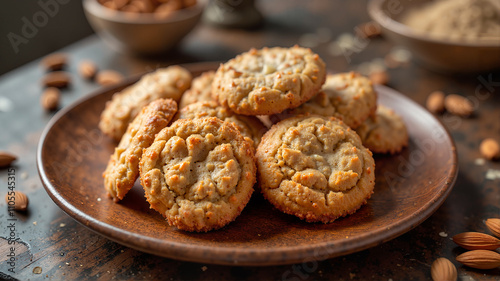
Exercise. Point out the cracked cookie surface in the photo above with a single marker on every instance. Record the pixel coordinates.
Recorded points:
(199, 174)
(201, 90)
(315, 168)
(385, 132)
(269, 80)
(250, 127)
(349, 96)
(168, 82)
(123, 166)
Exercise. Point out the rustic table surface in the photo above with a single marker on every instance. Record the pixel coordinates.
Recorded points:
(52, 242)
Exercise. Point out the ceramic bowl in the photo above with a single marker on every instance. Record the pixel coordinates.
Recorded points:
(142, 33)
(442, 55)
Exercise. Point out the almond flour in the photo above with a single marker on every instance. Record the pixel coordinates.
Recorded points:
(458, 20)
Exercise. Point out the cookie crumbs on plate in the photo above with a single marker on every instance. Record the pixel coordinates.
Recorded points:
(34, 223)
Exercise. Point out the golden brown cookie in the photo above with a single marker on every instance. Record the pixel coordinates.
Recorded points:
(269, 80)
(348, 96)
(201, 90)
(315, 168)
(123, 166)
(385, 132)
(168, 82)
(250, 127)
(198, 173)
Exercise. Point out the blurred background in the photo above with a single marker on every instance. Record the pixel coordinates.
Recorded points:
(62, 28)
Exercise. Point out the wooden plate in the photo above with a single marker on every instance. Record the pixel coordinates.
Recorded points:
(410, 186)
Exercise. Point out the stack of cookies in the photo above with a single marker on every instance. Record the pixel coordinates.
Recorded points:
(198, 165)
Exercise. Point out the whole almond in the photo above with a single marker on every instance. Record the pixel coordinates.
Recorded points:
(19, 201)
(165, 10)
(490, 149)
(120, 3)
(379, 77)
(480, 259)
(110, 5)
(443, 270)
(108, 77)
(55, 61)
(87, 69)
(435, 102)
(58, 79)
(131, 10)
(144, 6)
(6, 159)
(458, 105)
(476, 241)
(494, 226)
(50, 99)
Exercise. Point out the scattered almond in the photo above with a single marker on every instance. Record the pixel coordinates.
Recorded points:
(490, 149)
(50, 99)
(379, 77)
(476, 241)
(480, 259)
(108, 77)
(55, 61)
(443, 270)
(6, 159)
(58, 79)
(435, 102)
(369, 29)
(20, 201)
(87, 69)
(494, 226)
(458, 105)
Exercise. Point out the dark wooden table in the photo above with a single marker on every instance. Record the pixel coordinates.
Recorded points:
(65, 250)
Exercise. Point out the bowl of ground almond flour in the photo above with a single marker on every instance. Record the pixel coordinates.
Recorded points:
(452, 36)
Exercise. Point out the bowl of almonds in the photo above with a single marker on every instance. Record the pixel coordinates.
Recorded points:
(144, 27)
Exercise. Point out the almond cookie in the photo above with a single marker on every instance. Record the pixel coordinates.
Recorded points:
(168, 82)
(123, 166)
(385, 132)
(348, 96)
(201, 90)
(269, 80)
(315, 168)
(249, 126)
(198, 173)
